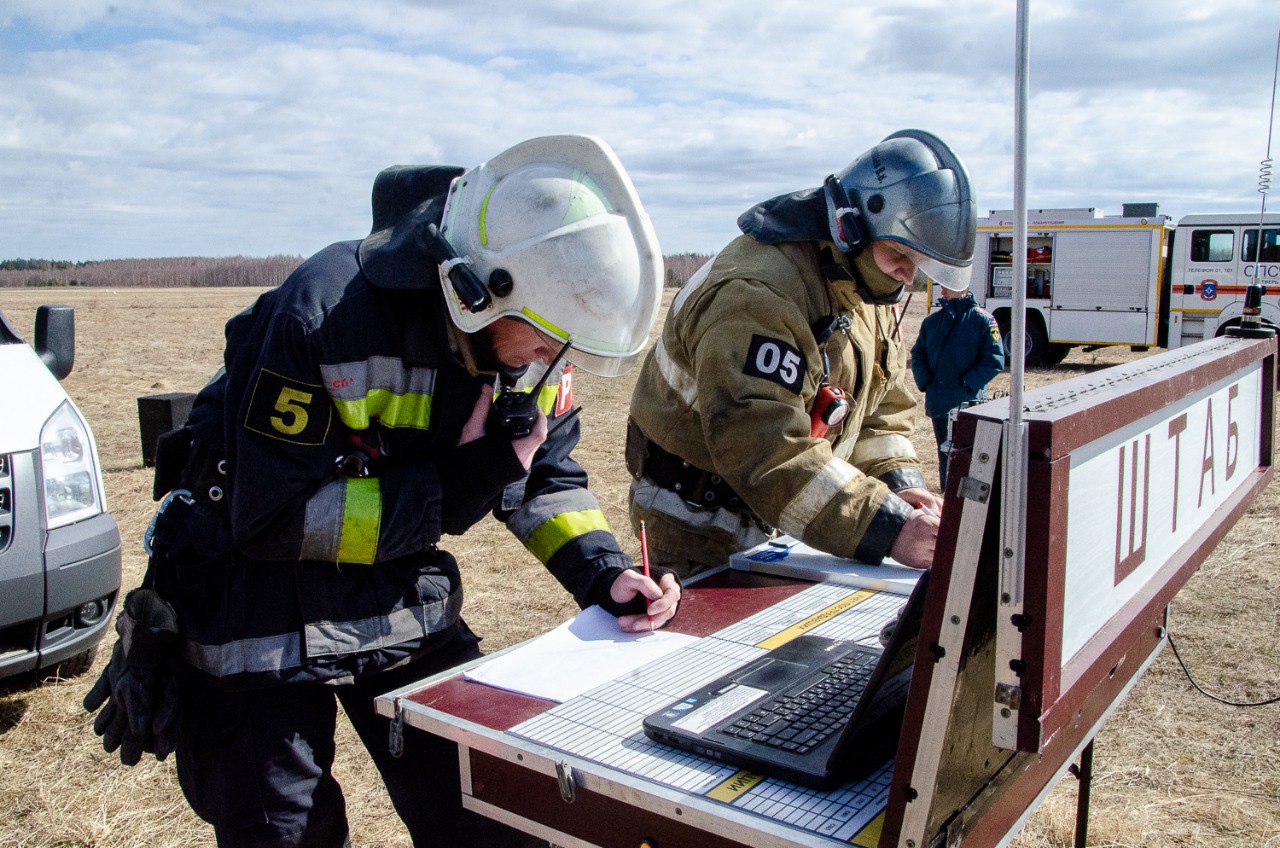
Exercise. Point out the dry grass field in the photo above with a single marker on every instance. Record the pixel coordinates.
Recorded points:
(1172, 768)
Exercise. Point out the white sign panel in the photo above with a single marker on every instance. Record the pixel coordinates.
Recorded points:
(1136, 496)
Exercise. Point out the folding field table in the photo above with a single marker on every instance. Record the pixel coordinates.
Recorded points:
(1133, 476)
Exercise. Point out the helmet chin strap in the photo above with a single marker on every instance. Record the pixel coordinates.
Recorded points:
(873, 285)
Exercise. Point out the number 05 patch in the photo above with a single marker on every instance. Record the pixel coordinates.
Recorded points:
(289, 410)
(774, 359)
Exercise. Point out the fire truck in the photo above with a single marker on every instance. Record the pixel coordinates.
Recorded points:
(1131, 279)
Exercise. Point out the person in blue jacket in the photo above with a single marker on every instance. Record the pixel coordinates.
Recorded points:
(957, 354)
(299, 561)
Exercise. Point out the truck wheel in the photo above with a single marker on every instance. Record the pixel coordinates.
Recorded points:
(1038, 345)
(73, 666)
(1035, 348)
(1055, 353)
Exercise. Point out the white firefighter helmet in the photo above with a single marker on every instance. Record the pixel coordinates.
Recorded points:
(554, 228)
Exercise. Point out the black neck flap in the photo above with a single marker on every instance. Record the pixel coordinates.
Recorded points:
(799, 216)
(405, 199)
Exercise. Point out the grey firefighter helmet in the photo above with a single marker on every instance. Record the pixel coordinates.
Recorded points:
(913, 190)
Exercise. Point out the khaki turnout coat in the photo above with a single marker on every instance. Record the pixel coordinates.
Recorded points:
(728, 388)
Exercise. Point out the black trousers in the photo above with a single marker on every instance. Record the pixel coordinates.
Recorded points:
(257, 764)
(940, 434)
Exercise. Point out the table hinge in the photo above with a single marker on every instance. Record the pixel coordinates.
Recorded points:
(1010, 696)
(568, 782)
(395, 742)
(974, 489)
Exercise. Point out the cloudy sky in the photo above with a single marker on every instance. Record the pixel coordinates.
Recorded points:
(139, 128)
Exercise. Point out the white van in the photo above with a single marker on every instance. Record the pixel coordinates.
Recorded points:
(1216, 258)
(59, 548)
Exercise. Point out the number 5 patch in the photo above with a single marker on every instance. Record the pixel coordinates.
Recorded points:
(775, 360)
(289, 410)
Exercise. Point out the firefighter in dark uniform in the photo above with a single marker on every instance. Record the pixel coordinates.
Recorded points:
(776, 396)
(956, 354)
(296, 563)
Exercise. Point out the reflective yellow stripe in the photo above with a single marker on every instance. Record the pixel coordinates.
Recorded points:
(484, 212)
(407, 410)
(552, 535)
(544, 323)
(361, 518)
(547, 399)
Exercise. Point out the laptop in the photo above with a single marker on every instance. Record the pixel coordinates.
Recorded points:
(814, 711)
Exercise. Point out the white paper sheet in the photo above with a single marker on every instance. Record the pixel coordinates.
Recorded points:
(579, 655)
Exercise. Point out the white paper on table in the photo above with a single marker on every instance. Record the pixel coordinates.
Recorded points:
(579, 655)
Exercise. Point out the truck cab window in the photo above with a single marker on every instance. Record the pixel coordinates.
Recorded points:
(1270, 246)
(1212, 245)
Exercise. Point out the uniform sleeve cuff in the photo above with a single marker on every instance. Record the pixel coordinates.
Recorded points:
(598, 593)
(903, 478)
(883, 531)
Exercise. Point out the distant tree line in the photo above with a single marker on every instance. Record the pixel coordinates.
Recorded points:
(188, 271)
(682, 266)
(34, 264)
(171, 272)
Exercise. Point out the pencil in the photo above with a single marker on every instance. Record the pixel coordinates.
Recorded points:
(644, 554)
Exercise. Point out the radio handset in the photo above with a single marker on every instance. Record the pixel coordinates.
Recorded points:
(514, 413)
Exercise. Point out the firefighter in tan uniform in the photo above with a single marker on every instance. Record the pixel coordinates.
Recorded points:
(776, 396)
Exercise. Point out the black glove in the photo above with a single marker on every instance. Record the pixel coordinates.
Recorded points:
(639, 604)
(139, 686)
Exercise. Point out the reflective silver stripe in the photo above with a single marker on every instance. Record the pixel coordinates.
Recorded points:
(543, 508)
(691, 285)
(816, 494)
(281, 652)
(887, 446)
(322, 526)
(330, 638)
(680, 380)
(354, 380)
(736, 525)
(264, 654)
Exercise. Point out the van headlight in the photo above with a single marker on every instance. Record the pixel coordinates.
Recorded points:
(68, 468)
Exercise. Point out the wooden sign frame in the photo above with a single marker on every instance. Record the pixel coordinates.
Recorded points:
(955, 784)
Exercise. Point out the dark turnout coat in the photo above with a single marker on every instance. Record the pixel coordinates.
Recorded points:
(957, 354)
(306, 568)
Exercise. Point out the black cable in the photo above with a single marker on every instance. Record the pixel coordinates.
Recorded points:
(1187, 672)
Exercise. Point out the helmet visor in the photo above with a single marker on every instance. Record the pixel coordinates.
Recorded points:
(953, 277)
(607, 365)
(601, 366)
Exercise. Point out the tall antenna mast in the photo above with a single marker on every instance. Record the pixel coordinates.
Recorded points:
(1264, 172)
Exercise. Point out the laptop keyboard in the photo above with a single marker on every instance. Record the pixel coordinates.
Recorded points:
(804, 720)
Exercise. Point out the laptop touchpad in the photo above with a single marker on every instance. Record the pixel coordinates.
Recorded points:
(773, 675)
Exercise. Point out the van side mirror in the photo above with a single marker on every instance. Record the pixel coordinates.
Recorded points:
(56, 338)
